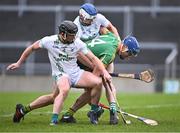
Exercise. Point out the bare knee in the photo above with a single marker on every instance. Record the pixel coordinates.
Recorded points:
(64, 93)
(53, 95)
(98, 82)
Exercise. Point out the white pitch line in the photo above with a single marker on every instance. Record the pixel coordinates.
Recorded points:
(87, 109)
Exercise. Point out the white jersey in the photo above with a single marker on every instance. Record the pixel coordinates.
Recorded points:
(89, 32)
(63, 57)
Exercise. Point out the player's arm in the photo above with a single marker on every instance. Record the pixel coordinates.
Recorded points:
(110, 67)
(103, 30)
(85, 61)
(113, 29)
(106, 23)
(24, 55)
(99, 65)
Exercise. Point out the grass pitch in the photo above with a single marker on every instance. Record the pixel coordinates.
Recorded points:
(161, 107)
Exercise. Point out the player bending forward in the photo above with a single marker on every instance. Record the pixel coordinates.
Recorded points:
(105, 47)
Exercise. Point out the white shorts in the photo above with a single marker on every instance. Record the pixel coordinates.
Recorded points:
(73, 77)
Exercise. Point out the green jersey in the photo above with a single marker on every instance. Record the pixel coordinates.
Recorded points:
(104, 47)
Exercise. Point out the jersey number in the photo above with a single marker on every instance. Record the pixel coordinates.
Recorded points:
(95, 42)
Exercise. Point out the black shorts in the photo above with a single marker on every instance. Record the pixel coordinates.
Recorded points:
(82, 66)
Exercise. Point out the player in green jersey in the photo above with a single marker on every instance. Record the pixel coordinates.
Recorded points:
(105, 47)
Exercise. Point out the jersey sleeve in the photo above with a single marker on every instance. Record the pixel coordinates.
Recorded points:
(43, 43)
(82, 46)
(103, 20)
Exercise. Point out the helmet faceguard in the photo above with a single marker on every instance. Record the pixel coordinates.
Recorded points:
(129, 48)
(68, 30)
(132, 45)
(87, 13)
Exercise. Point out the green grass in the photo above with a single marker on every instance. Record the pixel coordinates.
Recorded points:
(163, 108)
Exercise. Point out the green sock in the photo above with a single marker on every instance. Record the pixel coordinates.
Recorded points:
(113, 107)
(54, 117)
(70, 112)
(26, 109)
(94, 107)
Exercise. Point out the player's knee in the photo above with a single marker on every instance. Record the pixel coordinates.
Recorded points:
(98, 82)
(64, 92)
(52, 97)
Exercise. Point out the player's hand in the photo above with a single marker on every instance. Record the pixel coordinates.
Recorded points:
(13, 66)
(107, 77)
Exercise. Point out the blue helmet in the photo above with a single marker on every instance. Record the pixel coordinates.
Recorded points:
(89, 8)
(132, 44)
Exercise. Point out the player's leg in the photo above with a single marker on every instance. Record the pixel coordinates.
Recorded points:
(111, 97)
(112, 102)
(110, 68)
(44, 100)
(63, 86)
(40, 102)
(82, 100)
(89, 80)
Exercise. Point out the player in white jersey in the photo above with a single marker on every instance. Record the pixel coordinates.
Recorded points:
(89, 22)
(62, 51)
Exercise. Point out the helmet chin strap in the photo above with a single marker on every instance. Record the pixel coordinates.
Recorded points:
(122, 49)
(63, 37)
(119, 50)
